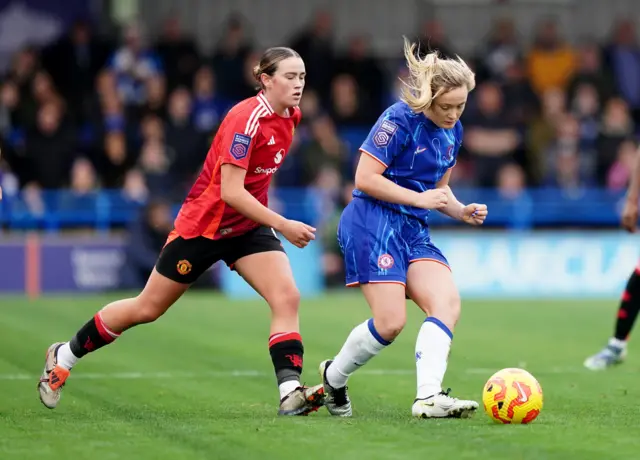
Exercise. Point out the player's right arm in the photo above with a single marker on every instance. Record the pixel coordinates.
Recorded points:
(630, 210)
(386, 140)
(236, 195)
(236, 147)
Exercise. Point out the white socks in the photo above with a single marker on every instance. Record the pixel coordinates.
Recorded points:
(432, 352)
(287, 387)
(66, 358)
(363, 343)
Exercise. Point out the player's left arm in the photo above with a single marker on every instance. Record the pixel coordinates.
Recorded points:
(472, 214)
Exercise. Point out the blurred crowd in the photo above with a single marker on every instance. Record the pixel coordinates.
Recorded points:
(137, 114)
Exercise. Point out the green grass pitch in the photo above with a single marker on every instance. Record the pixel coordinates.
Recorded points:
(198, 384)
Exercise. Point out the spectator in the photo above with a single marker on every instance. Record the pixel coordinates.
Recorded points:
(49, 150)
(181, 136)
(324, 150)
(147, 235)
(620, 172)
(511, 181)
(500, 53)
(616, 126)
(551, 62)
(229, 60)
(541, 131)
(209, 106)
(622, 58)
(132, 64)
(156, 98)
(591, 71)
(315, 45)
(116, 159)
(74, 62)
(521, 102)
(156, 164)
(347, 106)
(585, 106)
(332, 258)
(433, 37)
(179, 54)
(365, 69)
(83, 192)
(569, 164)
(490, 138)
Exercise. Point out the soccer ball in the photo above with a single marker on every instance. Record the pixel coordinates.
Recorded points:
(512, 396)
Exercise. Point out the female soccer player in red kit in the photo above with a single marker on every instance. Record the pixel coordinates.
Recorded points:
(225, 217)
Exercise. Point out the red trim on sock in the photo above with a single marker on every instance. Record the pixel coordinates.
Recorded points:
(107, 335)
(283, 336)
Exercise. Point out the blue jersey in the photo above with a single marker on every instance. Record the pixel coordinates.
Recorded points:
(416, 152)
(380, 240)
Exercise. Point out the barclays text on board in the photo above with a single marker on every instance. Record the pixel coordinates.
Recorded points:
(549, 264)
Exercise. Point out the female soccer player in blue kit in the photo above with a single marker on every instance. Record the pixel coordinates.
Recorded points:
(403, 173)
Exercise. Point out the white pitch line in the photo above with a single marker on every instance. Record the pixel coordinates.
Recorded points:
(257, 374)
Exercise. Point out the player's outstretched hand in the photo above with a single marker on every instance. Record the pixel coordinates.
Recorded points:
(474, 214)
(630, 216)
(433, 199)
(297, 233)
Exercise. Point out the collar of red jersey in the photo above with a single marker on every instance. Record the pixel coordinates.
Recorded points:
(263, 99)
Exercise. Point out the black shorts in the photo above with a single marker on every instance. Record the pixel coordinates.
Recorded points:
(184, 260)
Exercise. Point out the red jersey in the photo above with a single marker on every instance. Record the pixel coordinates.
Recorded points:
(251, 136)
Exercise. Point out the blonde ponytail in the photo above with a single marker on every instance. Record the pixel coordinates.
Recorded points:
(432, 76)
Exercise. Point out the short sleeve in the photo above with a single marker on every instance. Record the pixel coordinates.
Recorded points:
(238, 141)
(387, 138)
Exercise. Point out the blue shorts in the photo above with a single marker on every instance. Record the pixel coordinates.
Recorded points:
(378, 243)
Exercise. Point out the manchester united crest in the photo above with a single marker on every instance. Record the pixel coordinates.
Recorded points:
(184, 267)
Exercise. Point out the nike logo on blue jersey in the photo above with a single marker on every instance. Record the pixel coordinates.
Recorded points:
(420, 150)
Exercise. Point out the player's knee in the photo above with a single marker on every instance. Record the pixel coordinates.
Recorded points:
(285, 301)
(149, 308)
(390, 326)
(147, 313)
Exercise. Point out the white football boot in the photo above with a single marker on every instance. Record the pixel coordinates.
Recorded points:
(608, 357)
(442, 405)
(53, 378)
(336, 399)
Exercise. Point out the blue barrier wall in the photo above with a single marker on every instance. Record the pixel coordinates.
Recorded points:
(485, 264)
